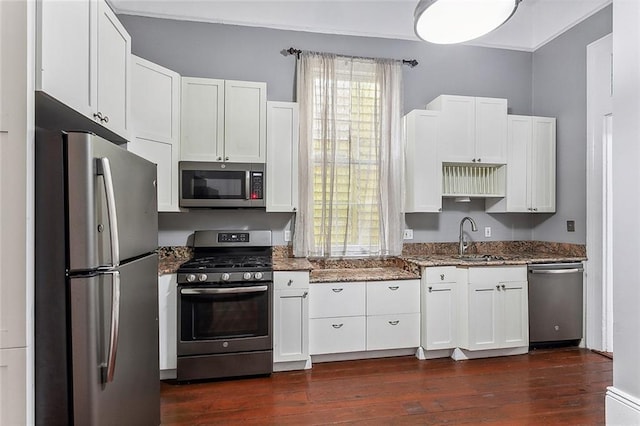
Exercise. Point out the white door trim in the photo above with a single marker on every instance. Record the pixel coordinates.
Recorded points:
(598, 307)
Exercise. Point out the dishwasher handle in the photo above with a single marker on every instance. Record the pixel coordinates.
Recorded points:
(556, 271)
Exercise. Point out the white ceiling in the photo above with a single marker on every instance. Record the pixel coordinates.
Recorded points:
(535, 22)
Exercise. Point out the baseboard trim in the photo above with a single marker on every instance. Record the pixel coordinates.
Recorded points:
(621, 408)
(460, 354)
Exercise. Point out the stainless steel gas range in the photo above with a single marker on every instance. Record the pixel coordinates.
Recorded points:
(225, 299)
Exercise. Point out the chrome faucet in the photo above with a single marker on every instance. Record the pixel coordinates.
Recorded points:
(462, 244)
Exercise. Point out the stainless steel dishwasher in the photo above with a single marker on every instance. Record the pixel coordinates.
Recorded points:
(555, 303)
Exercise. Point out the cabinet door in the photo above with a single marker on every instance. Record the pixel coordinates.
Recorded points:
(457, 127)
(515, 317)
(245, 121)
(337, 335)
(282, 156)
(13, 386)
(291, 325)
(202, 119)
(518, 197)
(155, 110)
(66, 37)
(491, 130)
(393, 297)
(168, 320)
(113, 72)
(337, 299)
(440, 316)
(543, 165)
(423, 166)
(395, 331)
(484, 313)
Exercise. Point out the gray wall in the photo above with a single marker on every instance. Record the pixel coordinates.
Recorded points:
(560, 90)
(255, 54)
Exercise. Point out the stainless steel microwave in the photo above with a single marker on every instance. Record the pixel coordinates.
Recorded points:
(221, 185)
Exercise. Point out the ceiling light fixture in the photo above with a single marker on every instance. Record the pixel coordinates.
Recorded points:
(456, 21)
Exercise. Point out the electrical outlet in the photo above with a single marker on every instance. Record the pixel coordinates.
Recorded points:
(487, 231)
(571, 226)
(287, 235)
(408, 234)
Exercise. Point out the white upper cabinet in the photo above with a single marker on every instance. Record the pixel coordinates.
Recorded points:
(83, 60)
(202, 119)
(223, 120)
(531, 168)
(472, 129)
(423, 166)
(114, 72)
(155, 111)
(245, 121)
(66, 37)
(282, 156)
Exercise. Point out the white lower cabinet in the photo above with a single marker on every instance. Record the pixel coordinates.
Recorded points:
(439, 307)
(13, 386)
(337, 334)
(168, 320)
(290, 316)
(497, 315)
(364, 316)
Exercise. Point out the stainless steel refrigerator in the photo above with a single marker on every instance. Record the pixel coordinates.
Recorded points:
(96, 303)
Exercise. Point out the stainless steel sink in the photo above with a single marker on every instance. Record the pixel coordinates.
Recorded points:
(479, 257)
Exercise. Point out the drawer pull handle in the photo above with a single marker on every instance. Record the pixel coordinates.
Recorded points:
(290, 282)
(441, 277)
(337, 290)
(337, 325)
(396, 322)
(393, 288)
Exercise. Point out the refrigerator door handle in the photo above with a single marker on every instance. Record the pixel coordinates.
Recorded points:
(104, 169)
(114, 328)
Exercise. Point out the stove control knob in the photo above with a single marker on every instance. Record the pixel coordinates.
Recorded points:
(247, 275)
(190, 278)
(258, 275)
(225, 277)
(202, 277)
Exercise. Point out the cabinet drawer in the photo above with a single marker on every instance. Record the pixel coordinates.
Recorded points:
(441, 274)
(393, 297)
(335, 335)
(336, 300)
(393, 331)
(290, 280)
(488, 274)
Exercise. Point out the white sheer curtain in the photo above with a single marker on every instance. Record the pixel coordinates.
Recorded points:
(351, 158)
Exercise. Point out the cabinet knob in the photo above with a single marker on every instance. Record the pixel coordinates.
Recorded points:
(226, 158)
(294, 209)
(98, 115)
(498, 287)
(535, 209)
(430, 288)
(106, 119)
(304, 295)
(473, 160)
(441, 277)
(504, 287)
(219, 159)
(479, 160)
(290, 282)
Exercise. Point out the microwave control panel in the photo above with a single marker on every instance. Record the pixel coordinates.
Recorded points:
(257, 185)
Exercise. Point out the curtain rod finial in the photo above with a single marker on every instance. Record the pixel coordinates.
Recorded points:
(294, 51)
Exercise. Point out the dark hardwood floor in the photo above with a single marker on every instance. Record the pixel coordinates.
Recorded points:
(552, 386)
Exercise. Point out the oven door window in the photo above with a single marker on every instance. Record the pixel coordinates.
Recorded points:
(214, 184)
(224, 316)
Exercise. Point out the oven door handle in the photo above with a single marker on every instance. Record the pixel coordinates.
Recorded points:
(232, 290)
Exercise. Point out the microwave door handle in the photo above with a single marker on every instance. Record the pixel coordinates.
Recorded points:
(104, 169)
(247, 185)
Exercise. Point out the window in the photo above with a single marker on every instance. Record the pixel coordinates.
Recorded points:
(346, 160)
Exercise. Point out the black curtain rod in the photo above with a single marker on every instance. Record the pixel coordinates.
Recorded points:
(293, 51)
